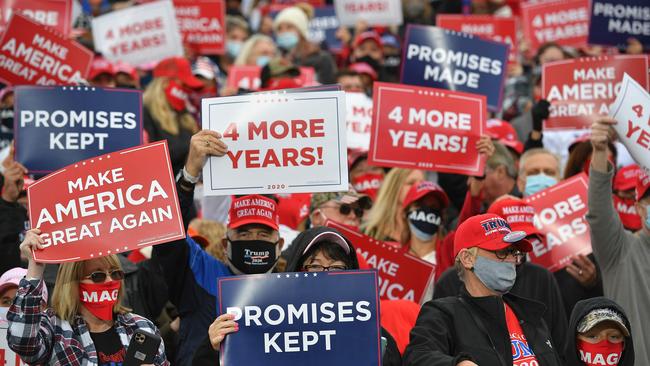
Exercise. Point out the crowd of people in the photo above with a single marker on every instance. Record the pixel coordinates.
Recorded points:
(488, 303)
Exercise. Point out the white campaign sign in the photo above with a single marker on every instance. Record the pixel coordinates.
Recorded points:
(138, 35)
(373, 12)
(359, 120)
(7, 356)
(277, 143)
(632, 111)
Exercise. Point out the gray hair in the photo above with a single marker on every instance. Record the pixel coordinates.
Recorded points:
(537, 151)
(502, 157)
(248, 46)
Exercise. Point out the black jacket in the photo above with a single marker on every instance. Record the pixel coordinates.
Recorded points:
(581, 309)
(533, 282)
(13, 219)
(446, 332)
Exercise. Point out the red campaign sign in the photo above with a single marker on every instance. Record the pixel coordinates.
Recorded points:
(559, 21)
(424, 128)
(401, 275)
(52, 13)
(248, 77)
(493, 28)
(106, 205)
(31, 53)
(201, 22)
(580, 88)
(560, 215)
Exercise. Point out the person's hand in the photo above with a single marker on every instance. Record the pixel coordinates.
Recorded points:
(466, 363)
(475, 185)
(602, 132)
(13, 182)
(540, 112)
(203, 143)
(33, 241)
(221, 327)
(583, 270)
(485, 146)
(634, 47)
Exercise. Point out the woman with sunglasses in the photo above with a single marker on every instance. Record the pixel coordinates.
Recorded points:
(87, 323)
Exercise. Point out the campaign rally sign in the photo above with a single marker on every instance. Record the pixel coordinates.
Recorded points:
(73, 123)
(31, 53)
(323, 27)
(359, 120)
(565, 22)
(401, 275)
(613, 22)
(441, 58)
(201, 22)
(498, 29)
(52, 13)
(632, 111)
(423, 128)
(138, 35)
(373, 12)
(580, 88)
(308, 318)
(560, 215)
(106, 205)
(7, 356)
(248, 77)
(277, 143)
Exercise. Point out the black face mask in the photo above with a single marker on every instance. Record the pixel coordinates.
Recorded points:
(252, 256)
(7, 117)
(371, 62)
(125, 86)
(426, 220)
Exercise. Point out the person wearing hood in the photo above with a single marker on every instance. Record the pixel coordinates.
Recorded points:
(599, 334)
(318, 249)
(485, 324)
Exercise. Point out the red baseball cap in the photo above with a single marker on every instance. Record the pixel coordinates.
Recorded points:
(293, 208)
(626, 177)
(517, 213)
(505, 134)
(253, 209)
(368, 35)
(178, 67)
(422, 189)
(490, 232)
(642, 185)
(364, 68)
(125, 68)
(100, 66)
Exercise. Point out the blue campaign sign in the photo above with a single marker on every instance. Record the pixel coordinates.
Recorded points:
(58, 126)
(324, 318)
(323, 26)
(613, 22)
(445, 59)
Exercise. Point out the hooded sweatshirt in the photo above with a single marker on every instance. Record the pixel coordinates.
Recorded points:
(583, 308)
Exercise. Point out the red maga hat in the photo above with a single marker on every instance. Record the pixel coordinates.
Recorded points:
(253, 209)
(422, 189)
(177, 67)
(490, 232)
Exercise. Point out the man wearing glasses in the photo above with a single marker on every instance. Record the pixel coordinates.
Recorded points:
(485, 324)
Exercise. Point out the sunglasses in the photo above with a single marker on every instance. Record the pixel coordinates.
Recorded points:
(345, 209)
(99, 277)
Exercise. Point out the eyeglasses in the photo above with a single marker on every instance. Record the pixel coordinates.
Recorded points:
(99, 276)
(510, 251)
(319, 268)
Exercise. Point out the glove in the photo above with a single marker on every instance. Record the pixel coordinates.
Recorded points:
(540, 113)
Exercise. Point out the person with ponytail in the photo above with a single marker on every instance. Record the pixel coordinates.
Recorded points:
(87, 323)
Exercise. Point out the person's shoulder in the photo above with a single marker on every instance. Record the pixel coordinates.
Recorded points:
(135, 321)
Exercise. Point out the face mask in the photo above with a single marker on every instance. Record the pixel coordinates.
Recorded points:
(3, 314)
(368, 184)
(498, 276)
(252, 256)
(176, 96)
(99, 298)
(601, 353)
(287, 40)
(627, 212)
(370, 61)
(538, 182)
(262, 61)
(7, 118)
(233, 48)
(425, 221)
(125, 86)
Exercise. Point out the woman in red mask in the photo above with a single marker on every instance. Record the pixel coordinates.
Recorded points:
(87, 323)
(599, 335)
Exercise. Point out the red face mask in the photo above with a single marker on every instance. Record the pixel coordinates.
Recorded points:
(627, 212)
(176, 96)
(99, 298)
(602, 353)
(368, 184)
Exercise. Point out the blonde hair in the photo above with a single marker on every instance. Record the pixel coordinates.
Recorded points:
(213, 231)
(65, 299)
(156, 102)
(248, 46)
(382, 218)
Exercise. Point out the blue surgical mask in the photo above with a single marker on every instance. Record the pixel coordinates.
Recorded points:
(287, 40)
(498, 276)
(233, 48)
(262, 60)
(538, 182)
